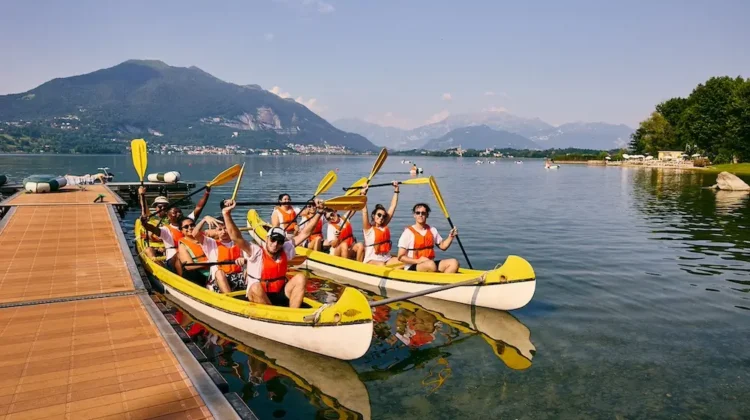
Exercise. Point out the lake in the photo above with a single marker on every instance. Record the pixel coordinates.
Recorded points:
(641, 308)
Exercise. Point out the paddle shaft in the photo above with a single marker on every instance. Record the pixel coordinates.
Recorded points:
(426, 292)
(272, 203)
(180, 200)
(372, 186)
(450, 222)
(210, 263)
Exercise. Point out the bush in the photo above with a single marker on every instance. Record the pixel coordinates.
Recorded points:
(701, 162)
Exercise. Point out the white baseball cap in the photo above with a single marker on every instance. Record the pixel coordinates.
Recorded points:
(278, 232)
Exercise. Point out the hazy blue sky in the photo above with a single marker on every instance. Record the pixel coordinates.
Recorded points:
(400, 62)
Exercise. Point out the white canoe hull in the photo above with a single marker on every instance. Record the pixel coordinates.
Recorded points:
(346, 342)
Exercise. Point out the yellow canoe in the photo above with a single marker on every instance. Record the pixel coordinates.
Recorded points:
(342, 330)
(507, 287)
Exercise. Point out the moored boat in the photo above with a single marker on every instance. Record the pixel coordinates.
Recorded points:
(506, 287)
(342, 330)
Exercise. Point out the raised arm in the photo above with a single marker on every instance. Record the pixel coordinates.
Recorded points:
(394, 203)
(365, 214)
(232, 229)
(312, 222)
(144, 213)
(202, 203)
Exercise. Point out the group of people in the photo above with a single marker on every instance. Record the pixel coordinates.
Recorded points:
(221, 259)
(416, 245)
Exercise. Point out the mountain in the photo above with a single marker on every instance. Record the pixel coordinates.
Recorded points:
(390, 137)
(148, 98)
(480, 137)
(581, 135)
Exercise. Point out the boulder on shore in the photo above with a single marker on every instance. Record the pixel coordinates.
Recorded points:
(730, 182)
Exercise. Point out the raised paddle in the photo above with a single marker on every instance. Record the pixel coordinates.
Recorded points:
(343, 203)
(220, 179)
(325, 184)
(358, 185)
(415, 181)
(478, 280)
(239, 180)
(441, 203)
(140, 157)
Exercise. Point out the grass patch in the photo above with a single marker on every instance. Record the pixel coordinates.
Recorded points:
(732, 168)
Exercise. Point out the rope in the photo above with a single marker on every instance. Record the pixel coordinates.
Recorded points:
(316, 314)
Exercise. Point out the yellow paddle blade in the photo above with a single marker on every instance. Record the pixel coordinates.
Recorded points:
(140, 157)
(355, 191)
(239, 180)
(378, 163)
(346, 202)
(416, 181)
(225, 176)
(326, 183)
(438, 196)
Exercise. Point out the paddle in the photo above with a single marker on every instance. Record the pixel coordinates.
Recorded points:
(478, 280)
(343, 202)
(325, 184)
(220, 179)
(375, 168)
(239, 180)
(441, 203)
(140, 157)
(415, 181)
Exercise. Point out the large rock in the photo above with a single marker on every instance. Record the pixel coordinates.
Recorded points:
(730, 182)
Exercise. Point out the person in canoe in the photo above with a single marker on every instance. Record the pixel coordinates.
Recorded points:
(341, 238)
(224, 278)
(172, 216)
(315, 241)
(189, 250)
(285, 216)
(266, 265)
(416, 246)
(377, 242)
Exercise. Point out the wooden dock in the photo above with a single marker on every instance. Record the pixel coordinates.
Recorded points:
(79, 335)
(129, 190)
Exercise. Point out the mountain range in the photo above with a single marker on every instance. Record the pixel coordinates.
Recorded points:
(480, 137)
(150, 99)
(546, 136)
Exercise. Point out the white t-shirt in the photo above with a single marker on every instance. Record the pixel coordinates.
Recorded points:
(370, 249)
(211, 249)
(166, 236)
(255, 261)
(406, 241)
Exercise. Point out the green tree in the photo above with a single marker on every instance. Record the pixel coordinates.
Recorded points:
(654, 134)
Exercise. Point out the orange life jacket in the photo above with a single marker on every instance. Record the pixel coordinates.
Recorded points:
(176, 234)
(273, 274)
(423, 244)
(345, 234)
(288, 219)
(382, 244)
(318, 230)
(195, 249)
(229, 254)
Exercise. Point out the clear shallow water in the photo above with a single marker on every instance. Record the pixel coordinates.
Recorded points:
(641, 307)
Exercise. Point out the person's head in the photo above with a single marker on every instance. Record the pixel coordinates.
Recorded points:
(174, 215)
(221, 230)
(331, 215)
(275, 240)
(309, 208)
(379, 215)
(186, 226)
(161, 203)
(284, 199)
(421, 212)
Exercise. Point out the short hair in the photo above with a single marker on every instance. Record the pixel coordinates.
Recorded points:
(426, 207)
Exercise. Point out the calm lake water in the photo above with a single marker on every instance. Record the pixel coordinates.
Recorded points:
(641, 308)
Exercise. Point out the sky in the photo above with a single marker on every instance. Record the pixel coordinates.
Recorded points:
(400, 63)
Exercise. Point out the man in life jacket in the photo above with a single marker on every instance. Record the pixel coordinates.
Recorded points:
(377, 242)
(315, 241)
(341, 238)
(223, 278)
(416, 247)
(173, 217)
(266, 265)
(285, 216)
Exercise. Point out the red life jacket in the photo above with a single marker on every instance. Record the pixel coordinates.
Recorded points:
(423, 244)
(318, 230)
(229, 254)
(176, 235)
(345, 234)
(382, 244)
(273, 274)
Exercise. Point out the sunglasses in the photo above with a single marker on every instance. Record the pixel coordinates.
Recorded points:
(188, 226)
(161, 206)
(381, 215)
(278, 239)
(421, 213)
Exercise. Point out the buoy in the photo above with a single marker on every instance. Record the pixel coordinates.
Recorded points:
(44, 183)
(261, 173)
(168, 177)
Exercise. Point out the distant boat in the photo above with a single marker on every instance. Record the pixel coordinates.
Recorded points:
(520, 162)
(492, 163)
(479, 162)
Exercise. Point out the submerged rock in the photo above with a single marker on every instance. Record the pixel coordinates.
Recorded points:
(730, 182)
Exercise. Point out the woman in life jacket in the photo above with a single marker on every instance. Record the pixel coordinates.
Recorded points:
(224, 278)
(189, 250)
(285, 216)
(377, 240)
(267, 265)
(341, 238)
(416, 246)
(315, 241)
